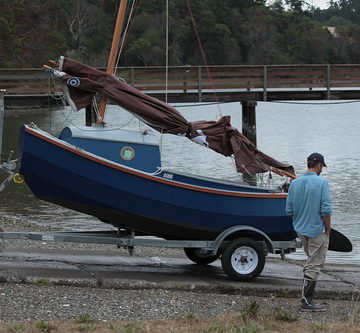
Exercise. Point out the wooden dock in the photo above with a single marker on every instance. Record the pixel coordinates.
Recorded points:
(29, 88)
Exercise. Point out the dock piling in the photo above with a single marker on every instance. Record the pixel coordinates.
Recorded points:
(249, 120)
(2, 112)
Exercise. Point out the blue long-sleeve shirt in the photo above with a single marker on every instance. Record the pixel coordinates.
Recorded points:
(307, 202)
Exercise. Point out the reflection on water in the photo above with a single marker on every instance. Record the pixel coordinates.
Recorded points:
(287, 131)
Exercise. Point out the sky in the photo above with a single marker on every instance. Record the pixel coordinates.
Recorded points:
(319, 3)
(323, 4)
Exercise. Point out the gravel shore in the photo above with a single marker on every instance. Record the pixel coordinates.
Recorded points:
(46, 301)
(20, 302)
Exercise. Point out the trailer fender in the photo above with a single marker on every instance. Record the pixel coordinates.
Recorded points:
(242, 229)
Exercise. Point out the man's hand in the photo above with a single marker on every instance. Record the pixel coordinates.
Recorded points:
(327, 222)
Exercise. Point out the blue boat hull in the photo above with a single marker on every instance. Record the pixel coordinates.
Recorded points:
(152, 204)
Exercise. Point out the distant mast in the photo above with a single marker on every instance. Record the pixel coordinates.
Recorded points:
(112, 56)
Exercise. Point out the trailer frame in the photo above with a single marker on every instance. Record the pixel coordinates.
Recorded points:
(243, 262)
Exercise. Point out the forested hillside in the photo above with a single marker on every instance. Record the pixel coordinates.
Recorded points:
(231, 32)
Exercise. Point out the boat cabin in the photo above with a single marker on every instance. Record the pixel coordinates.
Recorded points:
(134, 149)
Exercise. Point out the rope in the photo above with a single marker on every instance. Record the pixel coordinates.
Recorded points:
(161, 147)
(124, 35)
(313, 103)
(60, 99)
(54, 96)
(280, 102)
(202, 104)
(203, 53)
(167, 51)
(95, 107)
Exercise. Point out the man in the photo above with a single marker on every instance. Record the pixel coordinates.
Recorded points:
(309, 204)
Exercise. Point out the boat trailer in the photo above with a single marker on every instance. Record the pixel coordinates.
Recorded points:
(242, 249)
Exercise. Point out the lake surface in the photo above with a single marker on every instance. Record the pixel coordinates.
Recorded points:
(288, 132)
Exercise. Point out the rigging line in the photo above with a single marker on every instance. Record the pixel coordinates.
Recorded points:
(313, 103)
(95, 107)
(91, 129)
(202, 104)
(52, 82)
(167, 51)
(49, 96)
(161, 148)
(124, 35)
(202, 53)
(166, 70)
(125, 123)
(67, 118)
(59, 99)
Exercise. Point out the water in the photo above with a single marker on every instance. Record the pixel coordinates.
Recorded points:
(287, 131)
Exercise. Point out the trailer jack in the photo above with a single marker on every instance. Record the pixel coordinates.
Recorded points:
(9, 166)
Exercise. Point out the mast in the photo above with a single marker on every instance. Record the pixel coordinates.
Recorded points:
(112, 56)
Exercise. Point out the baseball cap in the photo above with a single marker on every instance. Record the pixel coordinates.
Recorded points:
(317, 157)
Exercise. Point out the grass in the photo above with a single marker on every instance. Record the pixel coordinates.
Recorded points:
(85, 328)
(41, 282)
(85, 319)
(16, 328)
(85, 323)
(283, 315)
(44, 326)
(250, 319)
(251, 310)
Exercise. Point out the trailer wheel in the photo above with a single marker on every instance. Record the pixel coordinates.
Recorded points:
(200, 256)
(243, 259)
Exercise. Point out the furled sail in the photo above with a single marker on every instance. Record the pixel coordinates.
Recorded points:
(81, 82)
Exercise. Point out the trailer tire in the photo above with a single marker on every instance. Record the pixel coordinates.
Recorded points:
(200, 256)
(243, 259)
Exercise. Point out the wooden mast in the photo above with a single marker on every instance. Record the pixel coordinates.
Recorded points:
(112, 56)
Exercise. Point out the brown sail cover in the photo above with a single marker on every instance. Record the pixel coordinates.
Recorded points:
(81, 82)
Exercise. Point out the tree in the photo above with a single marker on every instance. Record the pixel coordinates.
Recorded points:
(350, 9)
(261, 37)
(230, 32)
(12, 33)
(147, 45)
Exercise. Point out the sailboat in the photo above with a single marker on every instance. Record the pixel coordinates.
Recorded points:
(116, 175)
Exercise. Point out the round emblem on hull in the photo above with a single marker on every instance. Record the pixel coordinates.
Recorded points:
(127, 153)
